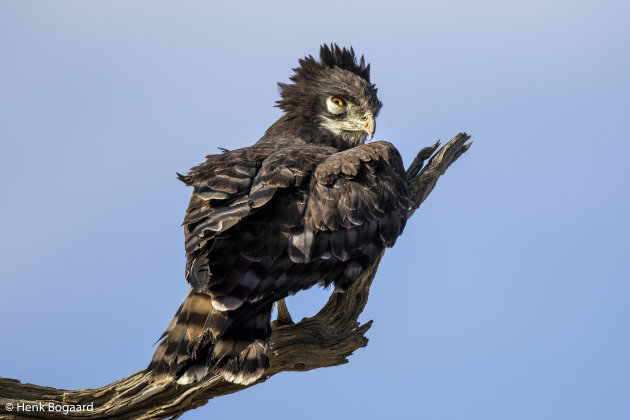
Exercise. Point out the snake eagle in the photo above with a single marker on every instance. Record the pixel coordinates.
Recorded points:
(309, 203)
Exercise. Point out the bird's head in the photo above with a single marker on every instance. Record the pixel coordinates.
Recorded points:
(334, 94)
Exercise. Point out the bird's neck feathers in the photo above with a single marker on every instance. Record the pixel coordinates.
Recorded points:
(302, 129)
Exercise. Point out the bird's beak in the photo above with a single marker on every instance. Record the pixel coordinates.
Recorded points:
(368, 125)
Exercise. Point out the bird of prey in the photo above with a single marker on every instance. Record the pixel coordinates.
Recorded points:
(309, 203)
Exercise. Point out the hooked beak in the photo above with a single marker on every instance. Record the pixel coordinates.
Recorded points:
(364, 124)
(367, 125)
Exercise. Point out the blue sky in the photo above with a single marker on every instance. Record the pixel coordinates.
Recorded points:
(506, 297)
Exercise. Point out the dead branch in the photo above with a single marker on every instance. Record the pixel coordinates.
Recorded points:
(326, 339)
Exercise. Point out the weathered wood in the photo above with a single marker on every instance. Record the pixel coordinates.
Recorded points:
(326, 339)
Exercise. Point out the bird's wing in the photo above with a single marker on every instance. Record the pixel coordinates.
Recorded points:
(233, 187)
(357, 206)
(302, 215)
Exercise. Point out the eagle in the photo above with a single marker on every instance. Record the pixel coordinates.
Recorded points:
(310, 203)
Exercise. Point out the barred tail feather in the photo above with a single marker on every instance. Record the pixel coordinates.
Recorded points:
(195, 319)
(199, 341)
(241, 355)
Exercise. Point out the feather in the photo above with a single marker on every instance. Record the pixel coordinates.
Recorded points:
(301, 245)
(338, 245)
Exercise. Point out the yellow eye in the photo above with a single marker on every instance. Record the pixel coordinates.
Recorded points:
(338, 101)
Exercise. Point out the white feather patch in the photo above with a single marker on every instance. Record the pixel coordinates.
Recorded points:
(193, 374)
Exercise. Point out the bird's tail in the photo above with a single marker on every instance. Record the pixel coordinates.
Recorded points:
(202, 339)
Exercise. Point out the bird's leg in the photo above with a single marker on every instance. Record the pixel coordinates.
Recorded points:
(284, 317)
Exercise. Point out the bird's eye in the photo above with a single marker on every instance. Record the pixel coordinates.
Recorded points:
(336, 105)
(338, 101)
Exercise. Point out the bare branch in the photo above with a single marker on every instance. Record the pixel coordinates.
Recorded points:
(326, 339)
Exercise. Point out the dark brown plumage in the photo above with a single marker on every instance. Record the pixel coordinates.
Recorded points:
(307, 204)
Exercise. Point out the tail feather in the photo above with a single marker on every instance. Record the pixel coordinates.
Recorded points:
(250, 364)
(202, 339)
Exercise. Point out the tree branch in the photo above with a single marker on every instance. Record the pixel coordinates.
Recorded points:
(326, 339)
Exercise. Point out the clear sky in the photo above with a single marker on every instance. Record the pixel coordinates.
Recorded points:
(507, 296)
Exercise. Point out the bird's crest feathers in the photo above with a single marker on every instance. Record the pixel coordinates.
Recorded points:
(311, 70)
